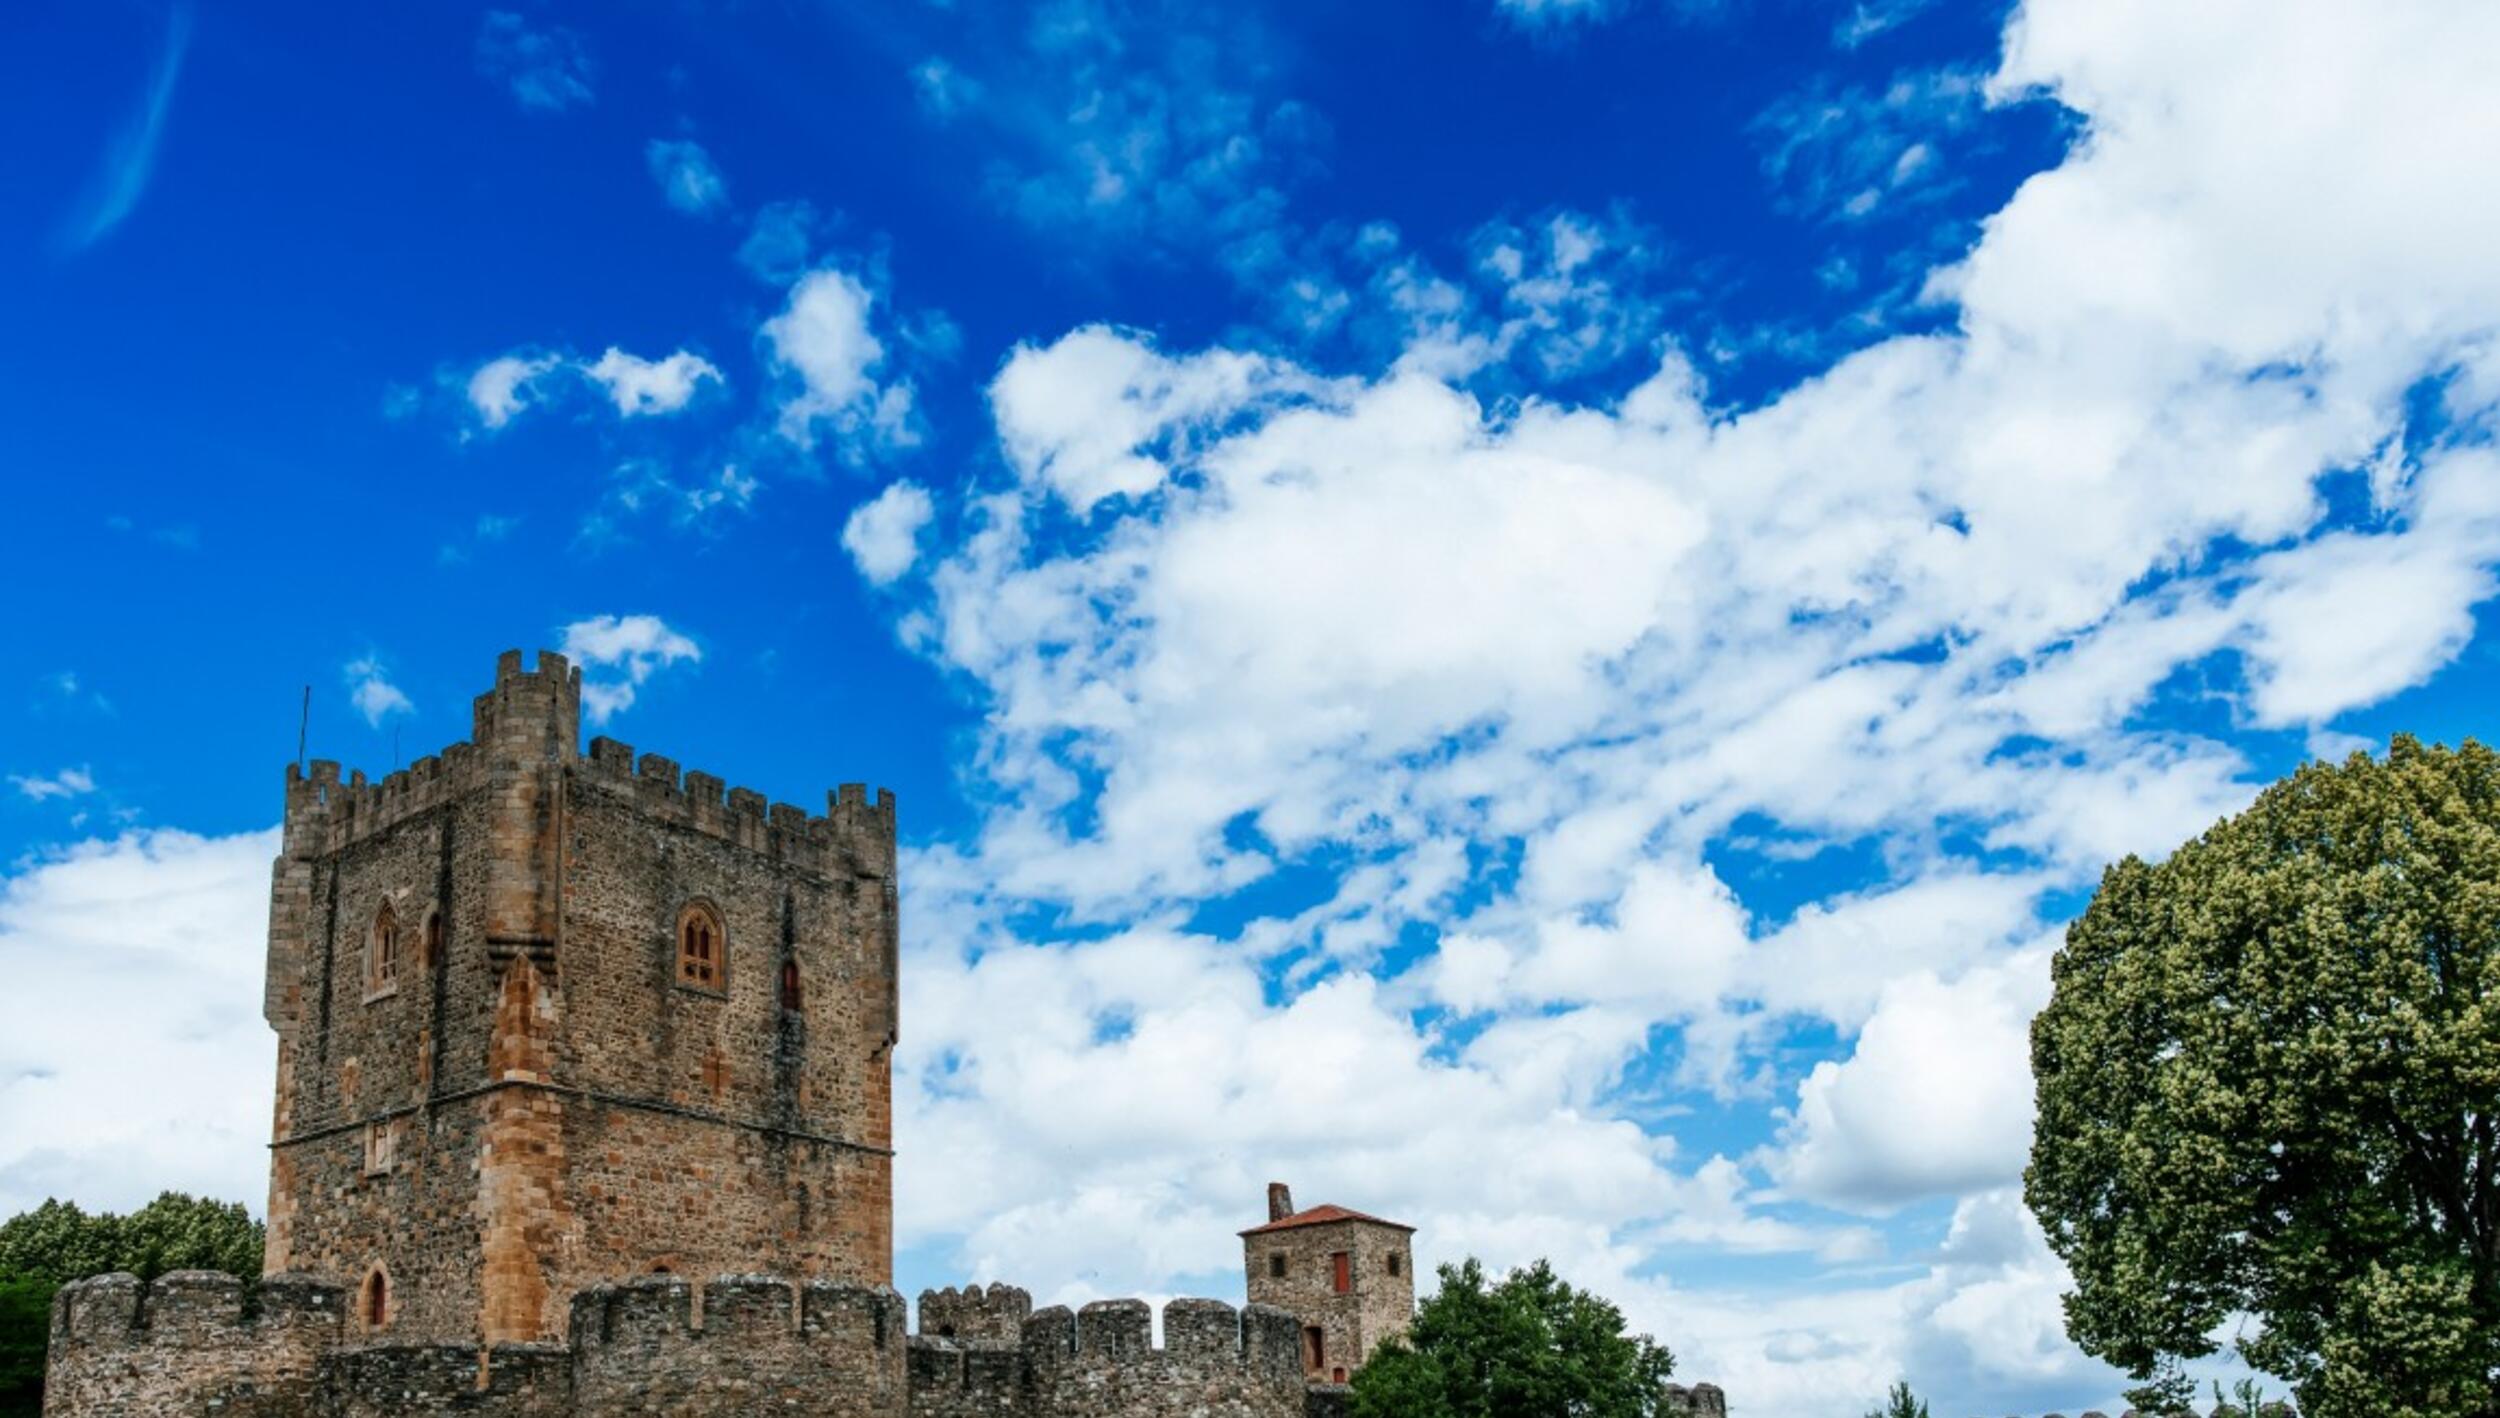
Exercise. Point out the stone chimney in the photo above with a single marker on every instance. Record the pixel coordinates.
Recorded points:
(1279, 1201)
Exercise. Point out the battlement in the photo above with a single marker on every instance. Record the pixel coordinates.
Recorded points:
(533, 716)
(188, 1340)
(190, 1307)
(659, 1311)
(973, 1313)
(853, 833)
(1113, 1341)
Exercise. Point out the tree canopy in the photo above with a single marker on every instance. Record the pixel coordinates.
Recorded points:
(42, 1249)
(1526, 1346)
(2267, 1084)
(1900, 1403)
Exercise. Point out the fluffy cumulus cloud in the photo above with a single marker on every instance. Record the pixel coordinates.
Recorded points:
(883, 535)
(619, 654)
(152, 940)
(505, 385)
(824, 347)
(651, 386)
(1676, 734)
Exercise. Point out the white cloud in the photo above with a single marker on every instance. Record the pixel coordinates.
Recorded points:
(500, 389)
(68, 783)
(1935, 1100)
(1077, 415)
(505, 385)
(369, 688)
(645, 386)
(546, 70)
(883, 533)
(629, 649)
(1569, 684)
(822, 339)
(687, 176)
(153, 941)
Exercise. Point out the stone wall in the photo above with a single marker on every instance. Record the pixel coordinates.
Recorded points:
(194, 1345)
(996, 1314)
(192, 1342)
(761, 1344)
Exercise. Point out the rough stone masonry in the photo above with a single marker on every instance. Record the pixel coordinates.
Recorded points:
(559, 1031)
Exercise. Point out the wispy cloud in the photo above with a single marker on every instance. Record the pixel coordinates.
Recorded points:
(68, 783)
(369, 688)
(688, 177)
(546, 70)
(130, 158)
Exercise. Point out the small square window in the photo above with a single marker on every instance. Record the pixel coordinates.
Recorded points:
(1276, 1265)
(1393, 1262)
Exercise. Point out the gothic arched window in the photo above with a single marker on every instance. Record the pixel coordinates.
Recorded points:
(373, 1300)
(702, 948)
(382, 951)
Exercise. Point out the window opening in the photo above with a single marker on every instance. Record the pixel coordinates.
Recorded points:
(701, 946)
(1314, 1348)
(1342, 1264)
(382, 964)
(790, 998)
(1276, 1265)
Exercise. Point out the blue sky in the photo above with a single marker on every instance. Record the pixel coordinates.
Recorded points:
(1528, 613)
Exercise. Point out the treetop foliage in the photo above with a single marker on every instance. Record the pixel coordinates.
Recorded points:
(2269, 1087)
(1526, 1346)
(43, 1249)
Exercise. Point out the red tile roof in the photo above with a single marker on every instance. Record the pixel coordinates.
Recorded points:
(1321, 1216)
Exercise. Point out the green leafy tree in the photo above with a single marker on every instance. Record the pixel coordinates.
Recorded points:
(1900, 1403)
(2269, 1087)
(1526, 1346)
(43, 1249)
(25, 1321)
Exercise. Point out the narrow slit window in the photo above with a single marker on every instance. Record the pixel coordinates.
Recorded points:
(373, 1304)
(382, 951)
(433, 940)
(791, 998)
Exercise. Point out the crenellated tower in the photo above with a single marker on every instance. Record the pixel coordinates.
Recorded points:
(549, 1019)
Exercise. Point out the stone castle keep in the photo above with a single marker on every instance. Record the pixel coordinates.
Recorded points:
(584, 1107)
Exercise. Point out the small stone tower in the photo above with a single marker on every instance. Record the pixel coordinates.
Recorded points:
(547, 1020)
(1348, 1278)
